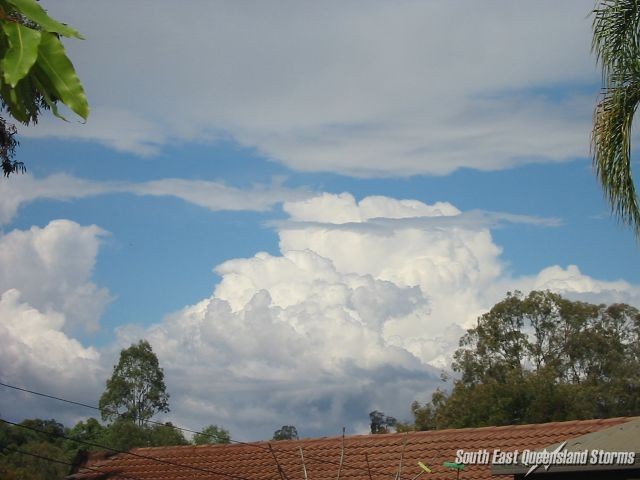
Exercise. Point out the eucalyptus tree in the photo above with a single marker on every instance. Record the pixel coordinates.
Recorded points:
(212, 434)
(287, 432)
(381, 423)
(540, 358)
(136, 390)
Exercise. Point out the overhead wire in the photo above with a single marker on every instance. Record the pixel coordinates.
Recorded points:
(239, 442)
(138, 455)
(93, 407)
(62, 462)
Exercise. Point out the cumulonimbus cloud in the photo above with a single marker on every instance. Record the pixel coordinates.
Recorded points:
(343, 320)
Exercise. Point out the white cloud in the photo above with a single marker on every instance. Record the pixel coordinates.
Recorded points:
(218, 196)
(343, 209)
(47, 301)
(300, 347)
(393, 89)
(574, 284)
(23, 189)
(34, 346)
(51, 268)
(344, 320)
(37, 355)
(116, 127)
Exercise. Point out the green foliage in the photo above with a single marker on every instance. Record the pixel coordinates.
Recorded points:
(8, 145)
(22, 52)
(165, 435)
(90, 431)
(287, 432)
(36, 73)
(34, 12)
(20, 466)
(616, 42)
(430, 415)
(381, 423)
(16, 443)
(122, 434)
(541, 358)
(34, 62)
(136, 389)
(212, 434)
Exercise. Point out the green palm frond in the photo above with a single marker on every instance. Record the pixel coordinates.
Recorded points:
(615, 32)
(616, 43)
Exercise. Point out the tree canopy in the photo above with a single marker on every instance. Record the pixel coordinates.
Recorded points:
(287, 432)
(23, 451)
(39, 449)
(136, 390)
(212, 434)
(539, 358)
(381, 423)
(36, 72)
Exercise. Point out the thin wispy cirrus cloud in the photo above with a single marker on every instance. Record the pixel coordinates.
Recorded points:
(356, 294)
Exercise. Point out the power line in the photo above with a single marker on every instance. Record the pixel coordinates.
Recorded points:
(48, 396)
(138, 455)
(107, 410)
(54, 460)
(239, 442)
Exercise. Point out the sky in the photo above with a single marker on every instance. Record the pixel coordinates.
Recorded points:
(300, 205)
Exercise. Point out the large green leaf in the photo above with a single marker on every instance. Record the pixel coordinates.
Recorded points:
(34, 12)
(22, 52)
(60, 75)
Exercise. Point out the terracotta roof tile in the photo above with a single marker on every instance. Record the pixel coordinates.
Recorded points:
(254, 461)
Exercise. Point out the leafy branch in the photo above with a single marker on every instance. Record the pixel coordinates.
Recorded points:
(36, 73)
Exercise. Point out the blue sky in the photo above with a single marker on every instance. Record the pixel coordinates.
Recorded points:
(300, 204)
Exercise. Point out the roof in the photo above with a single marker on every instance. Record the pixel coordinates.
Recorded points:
(624, 437)
(366, 457)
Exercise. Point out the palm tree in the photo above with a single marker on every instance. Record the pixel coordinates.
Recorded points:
(616, 43)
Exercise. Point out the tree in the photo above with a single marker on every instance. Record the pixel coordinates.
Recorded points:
(136, 389)
(123, 434)
(541, 358)
(166, 435)
(287, 432)
(89, 431)
(381, 423)
(212, 434)
(617, 46)
(21, 447)
(36, 72)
